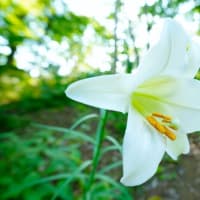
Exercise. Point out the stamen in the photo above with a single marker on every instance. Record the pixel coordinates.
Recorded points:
(162, 128)
(156, 124)
(165, 117)
(166, 120)
(172, 126)
(151, 120)
(170, 134)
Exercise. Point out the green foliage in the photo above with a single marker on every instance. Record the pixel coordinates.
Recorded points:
(163, 8)
(10, 122)
(37, 23)
(43, 154)
(71, 25)
(47, 163)
(197, 9)
(16, 84)
(14, 21)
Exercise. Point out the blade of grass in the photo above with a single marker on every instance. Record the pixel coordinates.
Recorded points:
(66, 130)
(114, 141)
(110, 167)
(115, 184)
(68, 176)
(6, 135)
(73, 175)
(83, 119)
(109, 148)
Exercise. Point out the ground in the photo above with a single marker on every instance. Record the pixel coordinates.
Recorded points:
(182, 179)
(176, 180)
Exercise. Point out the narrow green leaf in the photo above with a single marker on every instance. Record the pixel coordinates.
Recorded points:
(83, 119)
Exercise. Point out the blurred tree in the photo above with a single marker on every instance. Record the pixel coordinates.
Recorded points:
(118, 5)
(161, 8)
(35, 25)
(15, 23)
(50, 36)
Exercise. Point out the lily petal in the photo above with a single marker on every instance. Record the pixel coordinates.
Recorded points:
(194, 59)
(179, 96)
(185, 104)
(187, 93)
(174, 54)
(178, 146)
(107, 91)
(143, 149)
(189, 118)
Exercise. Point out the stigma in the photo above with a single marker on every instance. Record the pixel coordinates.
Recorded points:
(163, 124)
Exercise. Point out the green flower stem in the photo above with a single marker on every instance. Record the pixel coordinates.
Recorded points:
(100, 135)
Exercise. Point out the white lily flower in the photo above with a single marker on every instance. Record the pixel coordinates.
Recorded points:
(162, 100)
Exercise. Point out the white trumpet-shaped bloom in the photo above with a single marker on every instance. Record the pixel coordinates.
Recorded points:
(162, 100)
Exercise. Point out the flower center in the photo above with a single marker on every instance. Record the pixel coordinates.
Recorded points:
(163, 124)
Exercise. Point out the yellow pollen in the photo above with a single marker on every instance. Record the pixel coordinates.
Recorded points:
(161, 127)
(164, 117)
(170, 134)
(152, 120)
(166, 120)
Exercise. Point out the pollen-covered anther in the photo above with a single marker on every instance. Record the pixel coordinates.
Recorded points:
(166, 120)
(164, 117)
(161, 128)
(151, 120)
(169, 134)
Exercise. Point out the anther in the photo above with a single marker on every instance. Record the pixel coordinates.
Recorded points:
(164, 117)
(156, 124)
(170, 134)
(160, 126)
(166, 120)
(151, 120)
